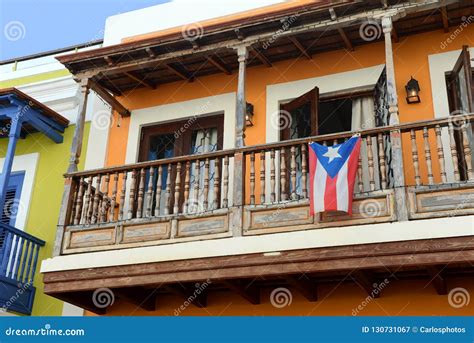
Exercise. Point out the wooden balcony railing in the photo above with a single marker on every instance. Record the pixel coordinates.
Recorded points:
(18, 260)
(189, 196)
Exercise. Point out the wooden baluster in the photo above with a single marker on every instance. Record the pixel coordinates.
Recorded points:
(429, 166)
(186, 186)
(122, 196)
(225, 189)
(103, 212)
(304, 171)
(454, 153)
(141, 193)
(382, 162)
(205, 201)
(113, 201)
(159, 182)
(262, 177)
(95, 208)
(195, 201)
(414, 154)
(272, 176)
(87, 199)
(131, 202)
(467, 151)
(149, 192)
(177, 188)
(439, 143)
(217, 182)
(283, 194)
(370, 158)
(80, 195)
(293, 172)
(334, 142)
(360, 175)
(168, 191)
(252, 178)
(325, 143)
(73, 206)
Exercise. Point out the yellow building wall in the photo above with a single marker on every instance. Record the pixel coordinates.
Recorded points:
(398, 298)
(46, 200)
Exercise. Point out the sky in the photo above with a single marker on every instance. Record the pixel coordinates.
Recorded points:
(34, 26)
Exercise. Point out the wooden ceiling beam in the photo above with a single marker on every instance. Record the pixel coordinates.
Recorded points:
(189, 293)
(299, 46)
(345, 38)
(138, 296)
(141, 81)
(366, 281)
(185, 75)
(150, 53)
(437, 279)
(219, 65)
(249, 291)
(445, 17)
(109, 61)
(107, 97)
(261, 57)
(304, 285)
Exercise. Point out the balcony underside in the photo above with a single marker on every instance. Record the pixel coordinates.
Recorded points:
(434, 260)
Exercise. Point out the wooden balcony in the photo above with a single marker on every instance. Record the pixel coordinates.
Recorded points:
(18, 260)
(199, 197)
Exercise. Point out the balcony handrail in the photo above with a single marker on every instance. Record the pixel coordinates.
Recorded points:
(22, 234)
(432, 123)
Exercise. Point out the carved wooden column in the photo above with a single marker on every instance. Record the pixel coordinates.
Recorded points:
(239, 158)
(395, 135)
(76, 149)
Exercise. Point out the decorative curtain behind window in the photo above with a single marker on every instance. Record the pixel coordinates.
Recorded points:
(205, 141)
(363, 117)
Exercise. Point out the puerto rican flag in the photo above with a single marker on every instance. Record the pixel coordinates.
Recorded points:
(332, 171)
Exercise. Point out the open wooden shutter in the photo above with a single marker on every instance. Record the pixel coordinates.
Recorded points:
(461, 93)
(296, 110)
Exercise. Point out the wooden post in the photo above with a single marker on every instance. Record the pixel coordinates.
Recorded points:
(239, 157)
(76, 147)
(395, 135)
(242, 54)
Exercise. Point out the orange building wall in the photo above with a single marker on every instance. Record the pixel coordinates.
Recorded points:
(410, 57)
(398, 298)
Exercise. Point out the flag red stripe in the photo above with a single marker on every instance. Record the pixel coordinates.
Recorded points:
(352, 171)
(330, 196)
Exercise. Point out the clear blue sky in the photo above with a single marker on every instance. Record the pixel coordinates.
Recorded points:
(33, 26)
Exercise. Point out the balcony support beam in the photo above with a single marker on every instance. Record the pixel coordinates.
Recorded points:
(395, 135)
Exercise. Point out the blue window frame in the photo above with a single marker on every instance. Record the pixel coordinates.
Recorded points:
(12, 198)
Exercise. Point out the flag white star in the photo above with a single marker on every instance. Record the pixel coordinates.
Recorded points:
(332, 153)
